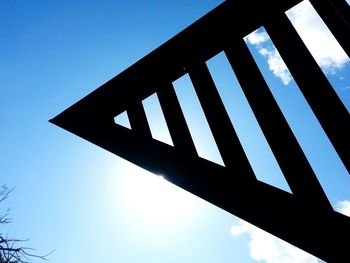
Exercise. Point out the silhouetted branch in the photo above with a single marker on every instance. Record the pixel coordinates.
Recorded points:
(10, 251)
(5, 193)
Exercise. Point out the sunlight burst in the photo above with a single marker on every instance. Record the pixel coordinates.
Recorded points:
(152, 198)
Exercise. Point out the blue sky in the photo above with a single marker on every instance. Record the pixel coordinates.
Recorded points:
(91, 206)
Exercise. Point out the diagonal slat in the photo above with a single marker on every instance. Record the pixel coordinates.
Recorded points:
(290, 157)
(138, 120)
(225, 136)
(175, 120)
(325, 103)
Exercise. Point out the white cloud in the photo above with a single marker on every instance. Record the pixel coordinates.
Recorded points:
(261, 40)
(257, 38)
(276, 64)
(267, 248)
(325, 49)
(344, 207)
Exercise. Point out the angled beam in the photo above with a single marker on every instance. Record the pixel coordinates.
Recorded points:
(138, 120)
(169, 61)
(325, 235)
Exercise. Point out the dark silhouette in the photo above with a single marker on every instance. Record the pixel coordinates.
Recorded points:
(10, 249)
(304, 218)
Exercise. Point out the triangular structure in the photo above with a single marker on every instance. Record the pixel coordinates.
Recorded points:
(304, 218)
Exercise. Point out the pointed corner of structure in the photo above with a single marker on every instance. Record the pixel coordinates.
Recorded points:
(57, 120)
(64, 120)
(53, 120)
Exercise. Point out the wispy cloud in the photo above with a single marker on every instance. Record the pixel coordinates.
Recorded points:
(325, 49)
(262, 42)
(257, 37)
(270, 249)
(276, 64)
(267, 248)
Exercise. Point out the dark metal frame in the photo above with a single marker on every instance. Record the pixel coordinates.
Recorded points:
(304, 218)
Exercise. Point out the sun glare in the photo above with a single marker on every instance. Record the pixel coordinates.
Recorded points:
(152, 198)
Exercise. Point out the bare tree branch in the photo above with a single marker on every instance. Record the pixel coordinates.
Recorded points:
(10, 251)
(5, 193)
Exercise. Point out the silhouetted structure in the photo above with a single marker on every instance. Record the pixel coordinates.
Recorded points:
(304, 218)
